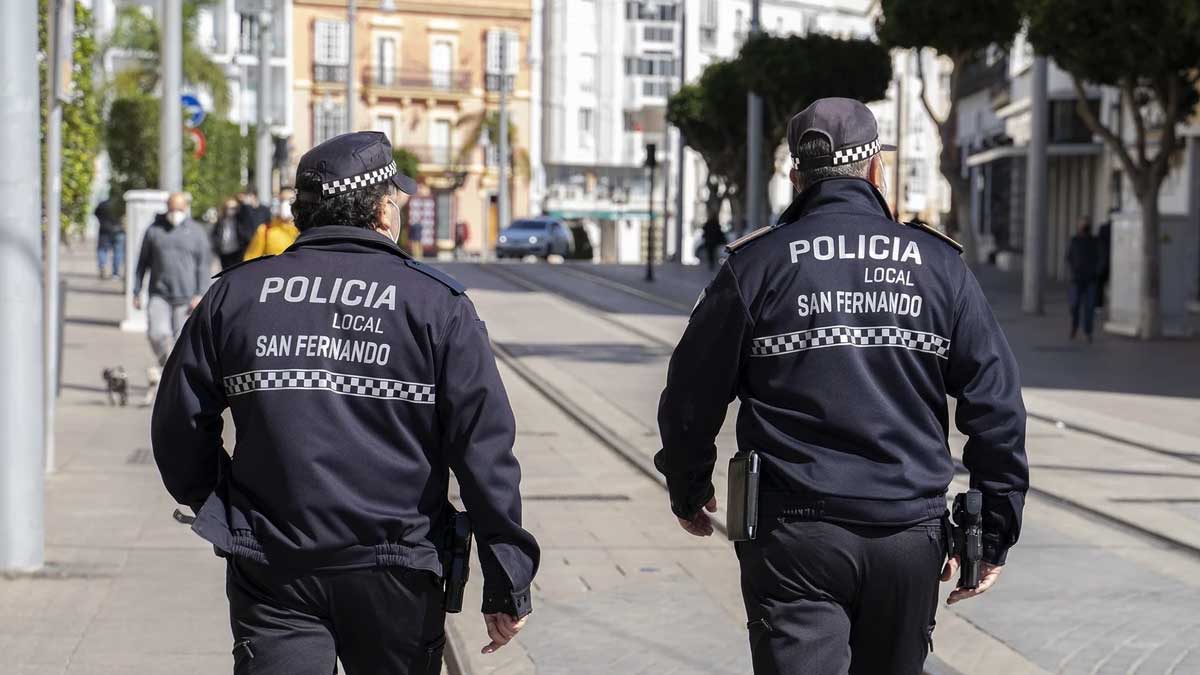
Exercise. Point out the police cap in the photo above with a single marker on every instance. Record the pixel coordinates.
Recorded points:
(847, 124)
(349, 162)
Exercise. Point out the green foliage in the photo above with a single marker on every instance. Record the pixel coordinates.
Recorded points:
(217, 175)
(1142, 45)
(711, 114)
(406, 162)
(80, 120)
(131, 136)
(957, 28)
(139, 36)
(483, 121)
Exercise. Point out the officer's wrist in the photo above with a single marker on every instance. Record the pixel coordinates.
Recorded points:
(687, 507)
(994, 553)
(507, 601)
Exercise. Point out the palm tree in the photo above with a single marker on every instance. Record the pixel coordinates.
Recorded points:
(139, 38)
(479, 123)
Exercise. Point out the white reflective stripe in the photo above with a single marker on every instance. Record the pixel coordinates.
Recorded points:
(361, 180)
(851, 336)
(337, 383)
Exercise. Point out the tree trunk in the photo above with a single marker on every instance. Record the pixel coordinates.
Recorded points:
(1150, 318)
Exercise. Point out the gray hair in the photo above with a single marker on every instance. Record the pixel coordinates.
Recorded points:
(814, 144)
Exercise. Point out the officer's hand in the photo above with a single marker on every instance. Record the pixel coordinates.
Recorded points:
(501, 628)
(700, 525)
(137, 302)
(989, 573)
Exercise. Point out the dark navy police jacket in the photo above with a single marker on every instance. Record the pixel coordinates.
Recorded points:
(842, 332)
(357, 379)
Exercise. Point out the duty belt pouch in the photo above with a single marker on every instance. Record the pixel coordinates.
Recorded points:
(743, 497)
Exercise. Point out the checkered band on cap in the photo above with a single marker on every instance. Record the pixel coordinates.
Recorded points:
(850, 155)
(851, 336)
(362, 180)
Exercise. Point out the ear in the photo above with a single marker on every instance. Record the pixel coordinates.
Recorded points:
(875, 171)
(794, 177)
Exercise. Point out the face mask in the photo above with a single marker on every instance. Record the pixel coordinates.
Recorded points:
(394, 230)
(175, 217)
(285, 211)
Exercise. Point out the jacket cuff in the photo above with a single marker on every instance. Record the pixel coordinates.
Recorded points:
(994, 552)
(687, 505)
(513, 603)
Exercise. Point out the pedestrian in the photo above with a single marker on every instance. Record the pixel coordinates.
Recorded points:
(175, 253)
(416, 245)
(714, 239)
(357, 379)
(274, 237)
(843, 331)
(110, 239)
(1083, 260)
(251, 214)
(461, 233)
(225, 242)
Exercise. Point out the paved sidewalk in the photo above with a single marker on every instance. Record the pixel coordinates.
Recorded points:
(125, 589)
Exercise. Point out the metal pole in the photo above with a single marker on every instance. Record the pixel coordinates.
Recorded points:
(21, 423)
(170, 141)
(262, 137)
(899, 138)
(351, 84)
(60, 47)
(1035, 193)
(679, 163)
(502, 197)
(754, 138)
(652, 163)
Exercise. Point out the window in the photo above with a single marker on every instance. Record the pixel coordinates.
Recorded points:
(708, 23)
(441, 64)
(656, 88)
(387, 125)
(445, 213)
(385, 61)
(329, 120)
(629, 121)
(658, 34)
(332, 43)
(503, 57)
(586, 131)
(248, 34)
(644, 10)
(587, 72)
(653, 63)
(439, 141)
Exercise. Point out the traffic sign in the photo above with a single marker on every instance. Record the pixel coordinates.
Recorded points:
(200, 141)
(193, 110)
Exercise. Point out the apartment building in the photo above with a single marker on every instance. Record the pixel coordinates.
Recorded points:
(429, 75)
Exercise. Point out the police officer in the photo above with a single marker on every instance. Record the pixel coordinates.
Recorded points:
(357, 379)
(842, 332)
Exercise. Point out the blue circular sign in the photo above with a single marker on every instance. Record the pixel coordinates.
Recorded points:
(193, 111)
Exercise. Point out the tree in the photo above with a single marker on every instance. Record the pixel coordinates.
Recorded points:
(407, 163)
(478, 123)
(960, 31)
(139, 37)
(711, 114)
(80, 119)
(1150, 52)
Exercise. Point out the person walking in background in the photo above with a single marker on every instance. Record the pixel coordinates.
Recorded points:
(1083, 258)
(714, 239)
(274, 237)
(225, 242)
(461, 233)
(175, 252)
(250, 215)
(111, 238)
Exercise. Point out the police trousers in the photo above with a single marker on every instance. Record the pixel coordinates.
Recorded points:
(829, 599)
(377, 620)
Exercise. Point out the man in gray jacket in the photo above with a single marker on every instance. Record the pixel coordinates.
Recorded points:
(175, 251)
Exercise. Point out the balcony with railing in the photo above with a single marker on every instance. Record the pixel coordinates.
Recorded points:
(447, 82)
(324, 73)
(433, 155)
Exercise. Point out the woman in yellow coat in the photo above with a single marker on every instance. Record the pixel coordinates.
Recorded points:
(274, 237)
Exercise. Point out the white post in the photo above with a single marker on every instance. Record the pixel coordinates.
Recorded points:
(503, 189)
(22, 537)
(351, 83)
(1036, 221)
(263, 149)
(141, 206)
(170, 141)
(754, 112)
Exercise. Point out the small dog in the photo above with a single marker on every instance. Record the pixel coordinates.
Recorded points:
(118, 385)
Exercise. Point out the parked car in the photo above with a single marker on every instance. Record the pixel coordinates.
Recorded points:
(541, 237)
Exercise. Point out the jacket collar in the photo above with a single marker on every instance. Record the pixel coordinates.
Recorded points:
(343, 234)
(840, 194)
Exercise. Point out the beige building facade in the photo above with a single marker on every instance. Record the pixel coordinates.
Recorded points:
(429, 76)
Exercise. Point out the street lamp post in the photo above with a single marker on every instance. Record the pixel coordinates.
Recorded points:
(754, 137)
(263, 149)
(651, 163)
(351, 84)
